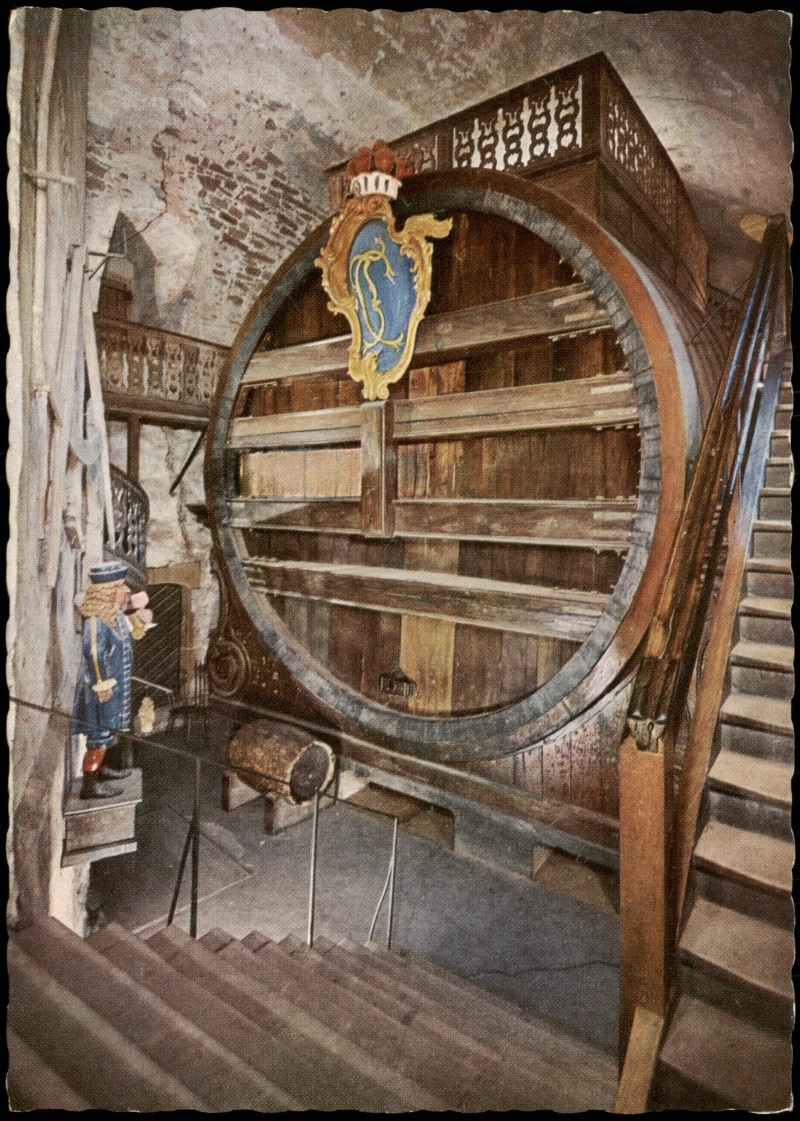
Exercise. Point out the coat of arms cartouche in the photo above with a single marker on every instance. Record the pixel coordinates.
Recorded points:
(379, 277)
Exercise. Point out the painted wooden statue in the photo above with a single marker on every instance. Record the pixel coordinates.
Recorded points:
(102, 707)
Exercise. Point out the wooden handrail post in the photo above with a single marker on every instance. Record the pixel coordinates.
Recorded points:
(645, 813)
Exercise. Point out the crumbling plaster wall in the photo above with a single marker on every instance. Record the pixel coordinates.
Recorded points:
(211, 129)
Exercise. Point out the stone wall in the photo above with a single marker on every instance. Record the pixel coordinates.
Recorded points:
(210, 130)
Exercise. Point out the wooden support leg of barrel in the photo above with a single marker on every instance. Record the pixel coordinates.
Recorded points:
(236, 793)
(280, 815)
(644, 815)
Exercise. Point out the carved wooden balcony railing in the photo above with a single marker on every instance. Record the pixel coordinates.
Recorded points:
(579, 131)
(131, 512)
(156, 375)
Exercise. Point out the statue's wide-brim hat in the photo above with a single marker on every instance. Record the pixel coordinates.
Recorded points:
(108, 573)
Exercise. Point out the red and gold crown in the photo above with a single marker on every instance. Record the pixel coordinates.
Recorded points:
(378, 170)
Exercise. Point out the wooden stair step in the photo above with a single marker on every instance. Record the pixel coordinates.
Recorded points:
(740, 1063)
(763, 714)
(769, 780)
(722, 941)
(282, 1068)
(753, 859)
(504, 1019)
(32, 1082)
(150, 1022)
(348, 1008)
(84, 1049)
(295, 1022)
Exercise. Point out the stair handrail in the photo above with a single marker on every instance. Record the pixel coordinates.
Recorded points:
(736, 429)
(673, 637)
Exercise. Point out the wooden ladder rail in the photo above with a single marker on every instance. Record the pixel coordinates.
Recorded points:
(653, 860)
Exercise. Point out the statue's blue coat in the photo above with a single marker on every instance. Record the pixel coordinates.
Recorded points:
(99, 720)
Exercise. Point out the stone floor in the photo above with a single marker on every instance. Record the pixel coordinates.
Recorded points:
(550, 943)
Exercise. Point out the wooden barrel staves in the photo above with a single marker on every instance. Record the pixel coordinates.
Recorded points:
(280, 761)
(456, 572)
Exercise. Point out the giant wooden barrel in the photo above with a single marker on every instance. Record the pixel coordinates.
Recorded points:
(536, 453)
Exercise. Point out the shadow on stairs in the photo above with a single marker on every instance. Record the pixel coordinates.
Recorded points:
(123, 1024)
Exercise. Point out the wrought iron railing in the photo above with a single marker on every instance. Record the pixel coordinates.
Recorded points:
(199, 756)
(131, 513)
(567, 117)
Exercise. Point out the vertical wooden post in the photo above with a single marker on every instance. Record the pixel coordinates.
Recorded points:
(134, 432)
(377, 469)
(645, 795)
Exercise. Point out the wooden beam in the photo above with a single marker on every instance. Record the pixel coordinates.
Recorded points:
(558, 311)
(496, 604)
(640, 1062)
(584, 403)
(331, 515)
(576, 524)
(378, 474)
(134, 434)
(156, 410)
(645, 779)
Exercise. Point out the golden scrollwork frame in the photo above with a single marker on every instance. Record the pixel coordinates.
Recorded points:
(334, 259)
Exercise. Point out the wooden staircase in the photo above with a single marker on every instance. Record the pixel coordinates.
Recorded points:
(729, 1040)
(119, 1023)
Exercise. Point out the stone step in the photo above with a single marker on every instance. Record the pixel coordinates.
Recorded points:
(532, 1051)
(408, 1046)
(766, 619)
(750, 741)
(757, 861)
(772, 538)
(151, 1023)
(742, 1064)
(298, 1019)
(786, 395)
(386, 997)
(762, 714)
(96, 1060)
(780, 443)
(721, 942)
(488, 1012)
(511, 1086)
(501, 1027)
(773, 582)
(777, 472)
(749, 813)
(269, 1064)
(775, 504)
(769, 780)
(32, 1082)
(764, 656)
